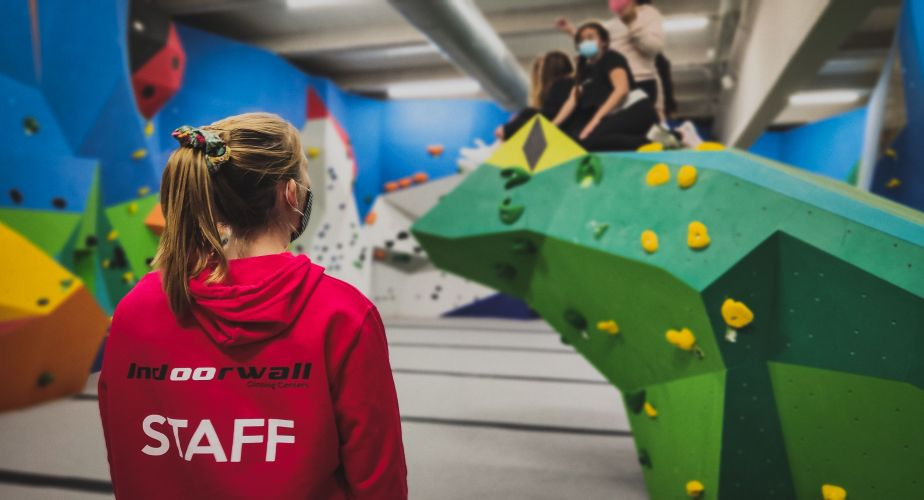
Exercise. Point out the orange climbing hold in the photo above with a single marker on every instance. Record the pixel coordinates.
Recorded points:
(371, 217)
(420, 177)
(391, 186)
(435, 149)
(155, 220)
(404, 182)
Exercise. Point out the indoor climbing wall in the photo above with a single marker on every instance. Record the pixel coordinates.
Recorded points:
(762, 323)
(334, 237)
(404, 281)
(80, 168)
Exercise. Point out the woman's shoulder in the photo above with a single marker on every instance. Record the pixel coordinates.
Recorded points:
(614, 58)
(343, 294)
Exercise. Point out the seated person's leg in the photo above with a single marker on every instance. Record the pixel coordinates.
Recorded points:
(512, 126)
(619, 131)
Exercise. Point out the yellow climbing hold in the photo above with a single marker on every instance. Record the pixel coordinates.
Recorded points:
(659, 174)
(697, 235)
(736, 314)
(104, 263)
(128, 277)
(313, 151)
(686, 176)
(710, 146)
(695, 488)
(649, 241)
(132, 208)
(891, 153)
(651, 147)
(139, 153)
(112, 235)
(893, 183)
(832, 492)
(143, 191)
(682, 339)
(148, 129)
(608, 326)
(651, 411)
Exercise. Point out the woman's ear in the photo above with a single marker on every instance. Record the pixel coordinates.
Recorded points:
(291, 193)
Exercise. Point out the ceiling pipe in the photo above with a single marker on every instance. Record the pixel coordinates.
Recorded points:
(459, 29)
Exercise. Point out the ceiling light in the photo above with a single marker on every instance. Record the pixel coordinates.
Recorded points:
(409, 50)
(304, 4)
(825, 97)
(685, 23)
(433, 88)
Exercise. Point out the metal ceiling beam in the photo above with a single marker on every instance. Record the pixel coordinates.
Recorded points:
(461, 31)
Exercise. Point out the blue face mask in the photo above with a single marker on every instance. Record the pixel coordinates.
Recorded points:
(588, 48)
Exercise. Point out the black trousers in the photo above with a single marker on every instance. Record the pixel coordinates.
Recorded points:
(650, 87)
(624, 130)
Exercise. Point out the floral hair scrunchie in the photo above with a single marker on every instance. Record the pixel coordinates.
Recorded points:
(215, 149)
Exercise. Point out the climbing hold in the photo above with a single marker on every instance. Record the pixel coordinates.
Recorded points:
(143, 191)
(589, 171)
(695, 488)
(66, 283)
(651, 147)
(524, 246)
(312, 151)
(644, 459)
(112, 235)
(155, 221)
(891, 153)
(59, 203)
(104, 263)
(391, 186)
(710, 146)
(132, 208)
(893, 183)
(30, 126)
(608, 326)
(736, 314)
(686, 176)
(510, 213)
(404, 182)
(45, 379)
(148, 129)
(128, 277)
(370, 218)
(635, 401)
(15, 196)
(42, 302)
(659, 174)
(833, 492)
(435, 150)
(575, 319)
(515, 177)
(598, 228)
(420, 177)
(505, 271)
(682, 339)
(649, 241)
(139, 153)
(697, 235)
(651, 411)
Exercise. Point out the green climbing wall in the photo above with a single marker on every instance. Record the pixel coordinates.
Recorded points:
(834, 278)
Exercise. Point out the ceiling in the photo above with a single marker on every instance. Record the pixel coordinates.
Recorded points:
(366, 45)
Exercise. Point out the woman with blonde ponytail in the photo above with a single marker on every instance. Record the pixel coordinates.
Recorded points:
(237, 369)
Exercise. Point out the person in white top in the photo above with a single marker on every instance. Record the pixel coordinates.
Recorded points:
(636, 32)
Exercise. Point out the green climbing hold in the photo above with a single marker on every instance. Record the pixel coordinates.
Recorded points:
(505, 271)
(45, 379)
(30, 125)
(644, 459)
(635, 401)
(598, 228)
(589, 171)
(576, 319)
(515, 177)
(524, 246)
(510, 213)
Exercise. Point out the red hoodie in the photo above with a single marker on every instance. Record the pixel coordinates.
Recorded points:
(279, 387)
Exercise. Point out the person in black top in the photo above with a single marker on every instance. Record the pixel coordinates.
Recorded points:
(551, 84)
(606, 110)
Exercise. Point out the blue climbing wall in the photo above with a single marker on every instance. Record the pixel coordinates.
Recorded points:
(830, 147)
(899, 175)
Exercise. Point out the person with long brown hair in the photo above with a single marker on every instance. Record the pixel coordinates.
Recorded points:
(551, 82)
(237, 369)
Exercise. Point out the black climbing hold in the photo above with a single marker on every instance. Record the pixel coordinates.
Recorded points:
(564, 340)
(59, 203)
(417, 249)
(147, 92)
(434, 296)
(119, 261)
(149, 261)
(42, 302)
(90, 240)
(524, 246)
(400, 258)
(535, 145)
(45, 379)
(505, 271)
(175, 62)
(30, 125)
(635, 401)
(402, 235)
(16, 196)
(575, 319)
(515, 177)
(644, 459)
(299, 249)
(367, 199)
(389, 244)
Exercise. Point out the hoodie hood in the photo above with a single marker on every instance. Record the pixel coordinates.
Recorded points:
(261, 298)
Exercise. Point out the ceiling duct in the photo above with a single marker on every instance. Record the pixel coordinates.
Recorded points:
(461, 32)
